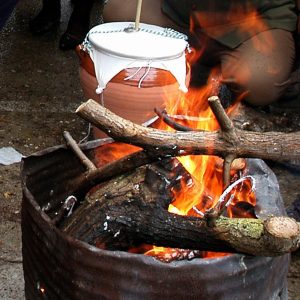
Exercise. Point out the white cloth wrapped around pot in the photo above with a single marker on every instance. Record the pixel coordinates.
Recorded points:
(116, 46)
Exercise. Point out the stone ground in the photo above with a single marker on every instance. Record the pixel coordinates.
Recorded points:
(39, 91)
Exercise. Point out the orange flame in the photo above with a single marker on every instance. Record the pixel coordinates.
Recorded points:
(112, 152)
(195, 197)
(192, 110)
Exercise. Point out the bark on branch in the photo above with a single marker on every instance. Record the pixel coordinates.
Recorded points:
(277, 146)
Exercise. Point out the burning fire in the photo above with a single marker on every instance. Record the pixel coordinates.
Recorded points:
(205, 188)
(198, 195)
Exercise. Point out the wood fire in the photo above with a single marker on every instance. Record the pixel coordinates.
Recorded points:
(212, 232)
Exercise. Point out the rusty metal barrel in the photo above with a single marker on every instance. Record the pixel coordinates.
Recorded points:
(59, 267)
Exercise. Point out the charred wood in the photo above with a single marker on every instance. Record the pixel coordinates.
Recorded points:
(132, 209)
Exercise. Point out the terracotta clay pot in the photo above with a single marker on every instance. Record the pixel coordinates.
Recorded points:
(124, 97)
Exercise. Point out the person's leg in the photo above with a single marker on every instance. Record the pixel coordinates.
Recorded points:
(47, 18)
(78, 25)
(6, 8)
(261, 66)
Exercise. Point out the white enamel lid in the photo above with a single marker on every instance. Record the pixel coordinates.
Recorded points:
(149, 42)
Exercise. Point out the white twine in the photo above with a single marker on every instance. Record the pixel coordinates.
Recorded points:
(134, 74)
(145, 74)
(232, 186)
(226, 193)
(69, 205)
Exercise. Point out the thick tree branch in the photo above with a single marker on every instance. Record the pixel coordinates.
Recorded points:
(277, 146)
(132, 209)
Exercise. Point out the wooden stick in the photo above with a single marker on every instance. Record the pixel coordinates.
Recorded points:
(87, 180)
(169, 121)
(76, 149)
(248, 236)
(138, 14)
(224, 121)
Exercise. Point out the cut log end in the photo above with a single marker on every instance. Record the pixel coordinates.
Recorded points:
(283, 233)
(82, 106)
(282, 227)
(213, 98)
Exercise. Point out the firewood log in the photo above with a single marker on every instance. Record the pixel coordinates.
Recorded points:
(132, 209)
(277, 146)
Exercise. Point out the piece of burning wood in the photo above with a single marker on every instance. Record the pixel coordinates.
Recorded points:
(169, 121)
(132, 209)
(90, 178)
(277, 146)
(175, 254)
